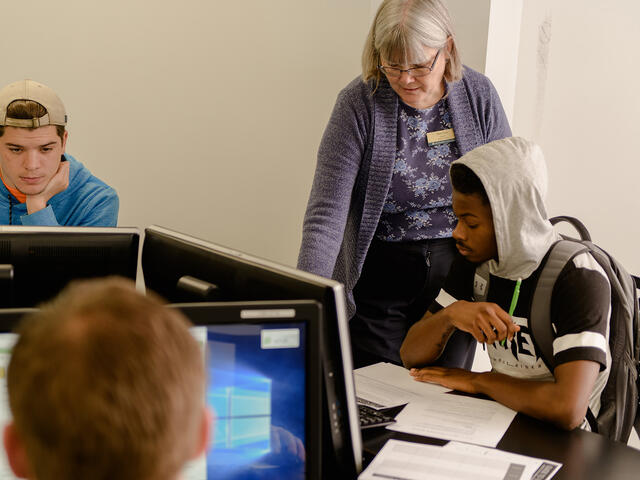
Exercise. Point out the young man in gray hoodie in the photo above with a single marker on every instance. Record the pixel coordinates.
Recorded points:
(498, 197)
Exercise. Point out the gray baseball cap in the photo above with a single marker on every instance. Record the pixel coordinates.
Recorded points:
(36, 92)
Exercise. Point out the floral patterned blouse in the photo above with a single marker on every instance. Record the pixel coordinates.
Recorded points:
(418, 204)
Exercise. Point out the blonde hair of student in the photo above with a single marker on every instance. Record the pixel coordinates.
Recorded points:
(401, 29)
(106, 383)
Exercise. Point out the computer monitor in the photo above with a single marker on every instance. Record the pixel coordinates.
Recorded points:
(264, 387)
(37, 262)
(186, 269)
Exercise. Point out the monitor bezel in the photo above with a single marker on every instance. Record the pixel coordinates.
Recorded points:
(26, 233)
(308, 312)
(10, 318)
(64, 229)
(342, 320)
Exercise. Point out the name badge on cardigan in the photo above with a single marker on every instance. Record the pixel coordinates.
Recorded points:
(440, 137)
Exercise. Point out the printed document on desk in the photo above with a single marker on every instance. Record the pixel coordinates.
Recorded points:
(385, 385)
(400, 460)
(534, 468)
(455, 417)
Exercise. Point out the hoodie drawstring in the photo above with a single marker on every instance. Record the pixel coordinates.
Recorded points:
(10, 209)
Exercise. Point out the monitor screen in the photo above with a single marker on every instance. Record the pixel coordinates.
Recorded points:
(263, 364)
(37, 262)
(183, 268)
(264, 384)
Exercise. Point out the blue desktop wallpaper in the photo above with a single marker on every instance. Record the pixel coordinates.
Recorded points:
(258, 397)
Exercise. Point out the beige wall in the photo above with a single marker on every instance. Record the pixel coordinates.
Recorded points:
(471, 24)
(205, 116)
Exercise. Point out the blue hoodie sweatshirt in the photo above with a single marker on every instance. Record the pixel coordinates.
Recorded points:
(87, 201)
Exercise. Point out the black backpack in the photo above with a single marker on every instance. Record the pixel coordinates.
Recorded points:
(619, 409)
(619, 399)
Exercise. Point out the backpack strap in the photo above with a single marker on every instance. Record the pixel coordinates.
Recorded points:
(636, 343)
(540, 322)
(542, 332)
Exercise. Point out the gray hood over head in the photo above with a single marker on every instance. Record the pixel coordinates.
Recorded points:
(514, 175)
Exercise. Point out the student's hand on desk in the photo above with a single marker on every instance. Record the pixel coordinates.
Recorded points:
(487, 322)
(453, 378)
(58, 183)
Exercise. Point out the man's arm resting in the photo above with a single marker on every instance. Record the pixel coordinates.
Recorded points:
(426, 339)
(563, 402)
(44, 218)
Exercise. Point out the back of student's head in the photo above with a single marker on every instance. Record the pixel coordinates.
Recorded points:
(105, 383)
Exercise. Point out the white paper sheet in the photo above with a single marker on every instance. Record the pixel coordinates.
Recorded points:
(542, 469)
(384, 385)
(400, 460)
(455, 417)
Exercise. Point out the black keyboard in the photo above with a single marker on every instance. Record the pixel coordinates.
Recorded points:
(370, 417)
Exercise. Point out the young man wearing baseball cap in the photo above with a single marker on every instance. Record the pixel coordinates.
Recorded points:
(41, 184)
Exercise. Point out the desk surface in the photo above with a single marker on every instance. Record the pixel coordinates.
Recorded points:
(584, 455)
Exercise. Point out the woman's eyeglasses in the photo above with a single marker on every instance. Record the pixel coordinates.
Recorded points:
(395, 72)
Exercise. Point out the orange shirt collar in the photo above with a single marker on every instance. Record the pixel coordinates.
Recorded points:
(21, 197)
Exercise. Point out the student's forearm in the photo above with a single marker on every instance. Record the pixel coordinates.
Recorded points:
(545, 400)
(426, 339)
(45, 217)
(563, 401)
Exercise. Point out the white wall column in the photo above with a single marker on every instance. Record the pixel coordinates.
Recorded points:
(503, 42)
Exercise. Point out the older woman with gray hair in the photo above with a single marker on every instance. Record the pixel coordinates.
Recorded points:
(379, 217)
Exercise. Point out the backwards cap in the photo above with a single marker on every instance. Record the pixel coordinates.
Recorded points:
(36, 92)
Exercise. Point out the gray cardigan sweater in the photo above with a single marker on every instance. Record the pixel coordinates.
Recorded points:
(355, 166)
